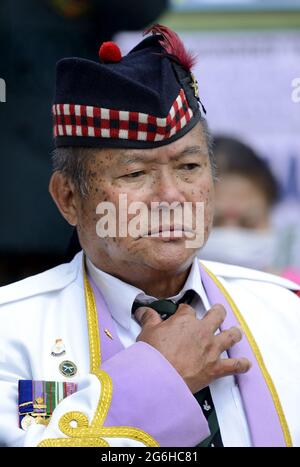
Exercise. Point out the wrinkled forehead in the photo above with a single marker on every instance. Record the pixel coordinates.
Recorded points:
(193, 143)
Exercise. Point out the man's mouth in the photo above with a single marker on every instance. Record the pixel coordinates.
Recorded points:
(169, 232)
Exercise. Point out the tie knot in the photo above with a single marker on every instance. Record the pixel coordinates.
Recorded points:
(165, 307)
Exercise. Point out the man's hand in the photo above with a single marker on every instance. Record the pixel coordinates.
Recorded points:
(190, 344)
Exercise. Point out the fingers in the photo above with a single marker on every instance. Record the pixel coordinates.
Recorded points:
(233, 366)
(215, 317)
(185, 309)
(147, 316)
(228, 338)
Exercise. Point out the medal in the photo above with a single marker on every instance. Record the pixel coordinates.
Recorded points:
(58, 349)
(68, 368)
(27, 421)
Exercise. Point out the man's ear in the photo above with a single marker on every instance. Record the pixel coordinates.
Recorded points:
(63, 193)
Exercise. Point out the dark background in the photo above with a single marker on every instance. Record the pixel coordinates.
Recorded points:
(34, 34)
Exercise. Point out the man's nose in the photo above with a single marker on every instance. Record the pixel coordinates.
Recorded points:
(168, 188)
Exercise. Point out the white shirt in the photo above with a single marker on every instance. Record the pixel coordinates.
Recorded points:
(224, 391)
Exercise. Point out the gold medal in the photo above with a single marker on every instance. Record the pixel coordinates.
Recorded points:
(42, 420)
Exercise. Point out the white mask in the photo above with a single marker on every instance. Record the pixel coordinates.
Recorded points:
(243, 247)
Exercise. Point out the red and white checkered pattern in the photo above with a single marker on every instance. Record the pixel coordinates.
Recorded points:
(82, 120)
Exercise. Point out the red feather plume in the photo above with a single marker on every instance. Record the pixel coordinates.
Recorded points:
(173, 46)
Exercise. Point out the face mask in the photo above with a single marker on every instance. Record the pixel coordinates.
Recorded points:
(243, 247)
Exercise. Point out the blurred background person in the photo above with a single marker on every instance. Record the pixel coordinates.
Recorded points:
(244, 232)
(34, 35)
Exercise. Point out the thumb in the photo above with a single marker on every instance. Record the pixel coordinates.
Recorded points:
(147, 317)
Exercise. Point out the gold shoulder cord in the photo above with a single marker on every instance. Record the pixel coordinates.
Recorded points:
(75, 425)
(259, 358)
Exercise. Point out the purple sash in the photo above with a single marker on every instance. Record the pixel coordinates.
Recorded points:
(109, 346)
(262, 416)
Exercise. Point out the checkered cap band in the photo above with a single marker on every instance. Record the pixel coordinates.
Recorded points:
(96, 122)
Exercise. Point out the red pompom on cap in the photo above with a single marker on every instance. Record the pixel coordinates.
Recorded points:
(110, 52)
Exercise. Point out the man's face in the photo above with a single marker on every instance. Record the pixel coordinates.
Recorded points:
(178, 172)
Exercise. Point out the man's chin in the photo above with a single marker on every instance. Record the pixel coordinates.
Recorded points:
(169, 255)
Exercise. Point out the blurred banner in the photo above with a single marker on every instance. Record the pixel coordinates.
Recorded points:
(235, 4)
(245, 82)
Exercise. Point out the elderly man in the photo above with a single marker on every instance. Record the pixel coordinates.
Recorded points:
(136, 343)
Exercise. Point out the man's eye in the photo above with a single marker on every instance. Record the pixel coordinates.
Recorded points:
(190, 166)
(134, 174)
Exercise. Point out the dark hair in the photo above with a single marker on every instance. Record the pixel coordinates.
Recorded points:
(235, 157)
(72, 162)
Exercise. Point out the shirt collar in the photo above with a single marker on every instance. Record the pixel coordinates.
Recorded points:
(120, 303)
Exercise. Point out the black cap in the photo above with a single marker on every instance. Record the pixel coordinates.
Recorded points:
(145, 99)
